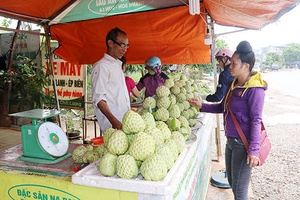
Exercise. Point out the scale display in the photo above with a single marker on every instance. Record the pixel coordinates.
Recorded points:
(42, 142)
(53, 139)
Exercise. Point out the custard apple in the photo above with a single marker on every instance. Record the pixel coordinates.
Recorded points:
(101, 149)
(174, 111)
(183, 90)
(185, 114)
(117, 143)
(162, 91)
(189, 95)
(163, 102)
(183, 77)
(172, 98)
(127, 167)
(180, 97)
(154, 168)
(175, 90)
(148, 119)
(90, 156)
(78, 154)
(184, 122)
(179, 139)
(189, 88)
(165, 152)
(173, 147)
(106, 135)
(156, 134)
(169, 83)
(142, 146)
(162, 114)
(186, 105)
(149, 102)
(108, 164)
(132, 122)
(180, 106)
(163, 127)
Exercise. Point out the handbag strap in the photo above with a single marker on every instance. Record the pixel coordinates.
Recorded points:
(237, 125)
(239, 129)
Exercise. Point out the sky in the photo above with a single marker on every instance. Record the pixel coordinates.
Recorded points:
(284, 31)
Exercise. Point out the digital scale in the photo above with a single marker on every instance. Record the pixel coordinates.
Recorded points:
(42, 141)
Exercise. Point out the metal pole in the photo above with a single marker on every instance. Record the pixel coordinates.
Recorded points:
(48, 42)
(85, 123)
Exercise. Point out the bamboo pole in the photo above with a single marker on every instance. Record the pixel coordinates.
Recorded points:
(217, 128)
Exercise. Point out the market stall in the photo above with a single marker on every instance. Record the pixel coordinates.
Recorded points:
(187, 179)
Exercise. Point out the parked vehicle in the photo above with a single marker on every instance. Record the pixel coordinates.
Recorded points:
(275, 67)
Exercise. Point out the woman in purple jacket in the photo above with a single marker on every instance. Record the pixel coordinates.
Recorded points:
(245, 98)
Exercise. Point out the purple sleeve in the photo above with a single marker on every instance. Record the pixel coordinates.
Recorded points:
(212, 108)
(255, 105)
(140, 85)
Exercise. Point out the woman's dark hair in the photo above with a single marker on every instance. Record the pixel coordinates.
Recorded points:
(113, 34)
(244, 50)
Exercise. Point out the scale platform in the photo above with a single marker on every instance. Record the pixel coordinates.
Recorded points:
(42, 141)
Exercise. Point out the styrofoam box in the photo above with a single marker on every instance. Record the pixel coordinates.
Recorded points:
(91, 176)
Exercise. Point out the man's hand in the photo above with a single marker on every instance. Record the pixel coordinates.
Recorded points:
(116, 124)
(102, 105)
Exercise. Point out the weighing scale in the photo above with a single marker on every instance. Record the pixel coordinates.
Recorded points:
(42, 141)
(219, 179)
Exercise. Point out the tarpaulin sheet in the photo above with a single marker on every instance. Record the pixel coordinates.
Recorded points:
(171, 34)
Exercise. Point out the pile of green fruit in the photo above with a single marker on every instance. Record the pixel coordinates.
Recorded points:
(151, 138)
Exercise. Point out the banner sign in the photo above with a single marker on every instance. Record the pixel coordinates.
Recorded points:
(69, 82)
(101, 8)
(27, 45)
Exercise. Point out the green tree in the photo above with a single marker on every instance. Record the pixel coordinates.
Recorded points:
(6, 22)
(272, 57)
(291, 52)
(221, 44)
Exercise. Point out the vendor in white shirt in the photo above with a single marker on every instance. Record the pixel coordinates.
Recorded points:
(110, 96)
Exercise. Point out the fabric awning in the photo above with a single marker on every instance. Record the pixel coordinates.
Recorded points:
(154, 27)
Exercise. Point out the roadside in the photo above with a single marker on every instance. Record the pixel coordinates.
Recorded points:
(278, 178)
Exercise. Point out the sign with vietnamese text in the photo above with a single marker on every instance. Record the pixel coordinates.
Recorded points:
(69, 82)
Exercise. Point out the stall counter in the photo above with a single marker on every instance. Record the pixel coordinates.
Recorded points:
(187, 179)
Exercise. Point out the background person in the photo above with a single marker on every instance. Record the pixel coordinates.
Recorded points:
(131, 86)
(245, 98)
(223, 57)
(109, 91)
(154, 78)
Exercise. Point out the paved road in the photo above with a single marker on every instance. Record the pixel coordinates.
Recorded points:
(278, 178)
(286, 81)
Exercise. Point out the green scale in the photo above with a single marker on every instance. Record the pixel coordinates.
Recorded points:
(42, 141)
